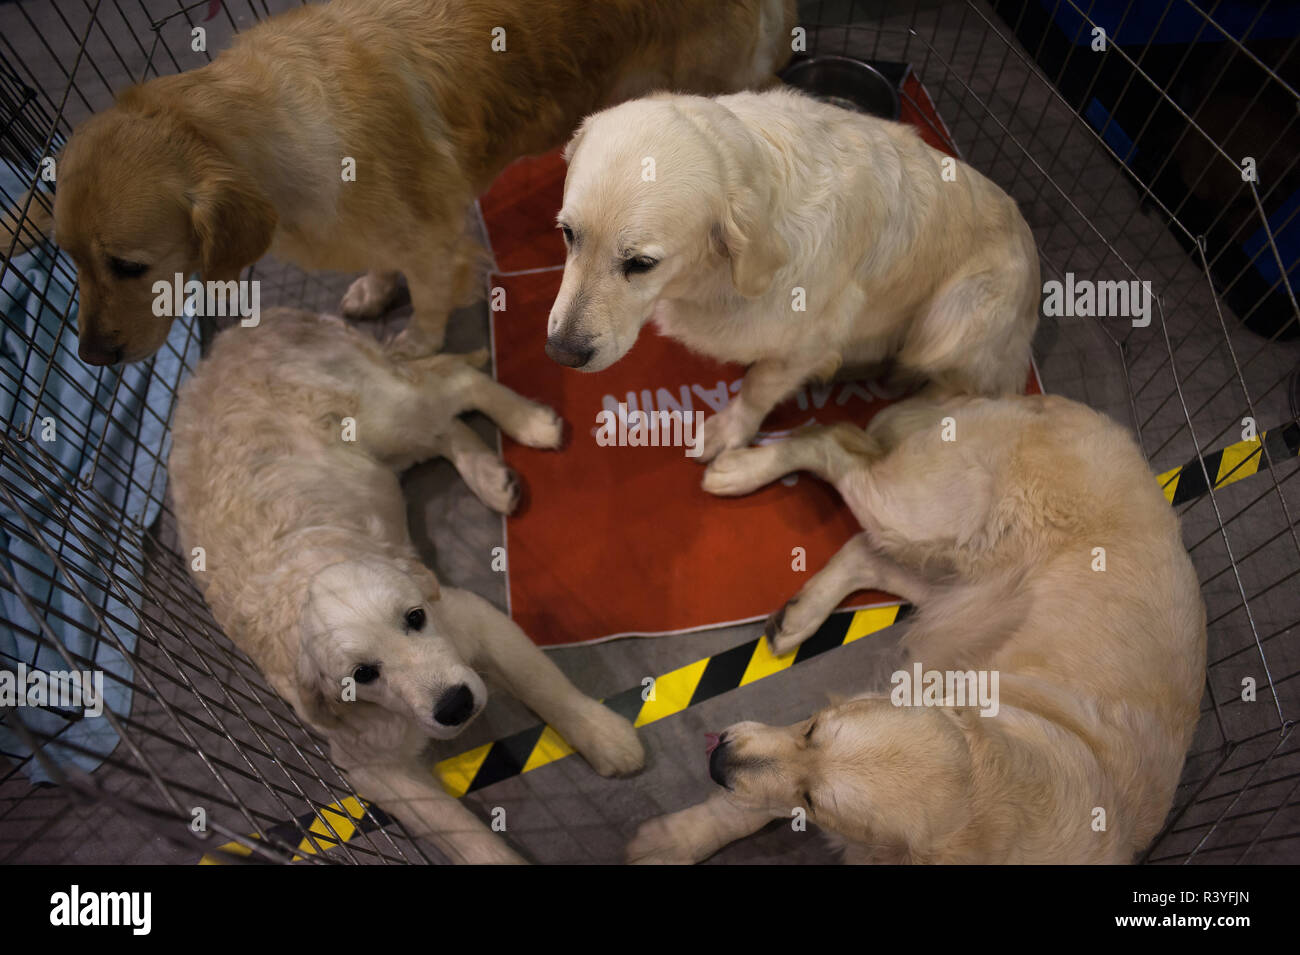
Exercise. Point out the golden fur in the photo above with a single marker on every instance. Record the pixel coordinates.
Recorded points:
(993, 537)
(795, 237)
(285, 473)
(209, 170)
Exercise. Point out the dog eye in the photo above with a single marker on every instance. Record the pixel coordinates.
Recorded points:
(415, 618)
(807, 798)
(638, 265)
(568, 234)
(809, 732)
(366, 673)
(124, 269)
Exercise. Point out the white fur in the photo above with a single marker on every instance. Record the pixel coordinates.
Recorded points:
(992, 537)
(756, 196)
(310, 568)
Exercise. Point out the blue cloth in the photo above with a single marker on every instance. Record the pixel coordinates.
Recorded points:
(118, 415)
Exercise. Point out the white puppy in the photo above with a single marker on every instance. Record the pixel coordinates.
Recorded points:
(286, 474)
(1047, 568)
(795, 237)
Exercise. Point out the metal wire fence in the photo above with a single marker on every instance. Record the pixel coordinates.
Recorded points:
(1127, 161)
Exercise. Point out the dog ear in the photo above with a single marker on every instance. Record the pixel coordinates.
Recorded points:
(757, 253)
(309, 694)
(233, 220)
(424, 577)
(572, 145)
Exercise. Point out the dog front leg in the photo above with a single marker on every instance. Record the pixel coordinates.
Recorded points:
(428, 812)
(441, 280)
(606, 740)
(694, 834)
(767, 383)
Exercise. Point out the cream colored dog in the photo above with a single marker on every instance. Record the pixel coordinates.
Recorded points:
(795, 237)
(356, 134)
(1037, 547)
(285, 472)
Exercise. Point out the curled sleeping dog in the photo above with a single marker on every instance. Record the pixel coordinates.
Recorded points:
(310, 567)
(994, 537)
(795, 237)
(430, 100)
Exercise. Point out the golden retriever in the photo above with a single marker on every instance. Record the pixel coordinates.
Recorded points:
(285, 474)
(795, 237)
(1039, 550)
(423, 102)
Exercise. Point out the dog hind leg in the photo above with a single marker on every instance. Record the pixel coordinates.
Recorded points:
(858, 565)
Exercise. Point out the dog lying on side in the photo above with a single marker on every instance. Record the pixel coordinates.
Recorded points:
(428, 99)
(285, 472)
(1036, 546)
(795, 237)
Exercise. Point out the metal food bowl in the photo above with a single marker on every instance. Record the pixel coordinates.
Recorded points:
(845, 82)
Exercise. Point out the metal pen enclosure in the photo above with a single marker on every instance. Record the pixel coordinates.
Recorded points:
(1128, 159)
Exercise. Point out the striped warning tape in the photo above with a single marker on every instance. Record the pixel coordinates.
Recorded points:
(704, 679)
(540, 745)
(1233, 463)
(326, 825)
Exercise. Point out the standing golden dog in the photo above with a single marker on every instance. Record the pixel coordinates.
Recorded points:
(427, 99)
(1037, 547)
(795, 237)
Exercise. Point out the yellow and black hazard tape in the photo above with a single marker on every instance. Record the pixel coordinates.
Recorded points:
(324, 827)
(704, 679)
(1233, 463)
(540, 745)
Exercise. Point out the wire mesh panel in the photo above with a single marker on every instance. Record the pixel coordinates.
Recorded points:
(1156, 143)
(192, 745)
(1160, 151)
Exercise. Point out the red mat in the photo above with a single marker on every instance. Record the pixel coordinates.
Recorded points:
(616, 541)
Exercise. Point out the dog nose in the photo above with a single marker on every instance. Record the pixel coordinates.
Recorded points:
(455, 706)
(718, 763)
(568, 352)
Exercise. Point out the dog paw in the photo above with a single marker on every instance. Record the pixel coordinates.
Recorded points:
(496, 485)
(368, 297)
(664, 840)
(720, 433)
(785, 630)
(734, 472)
(542, 429)
(609, 743)
(413, 342)
(510, 490)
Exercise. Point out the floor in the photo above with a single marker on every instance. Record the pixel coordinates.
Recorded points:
(1184, 382)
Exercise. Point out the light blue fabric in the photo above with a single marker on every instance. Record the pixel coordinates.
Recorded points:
(126, 410)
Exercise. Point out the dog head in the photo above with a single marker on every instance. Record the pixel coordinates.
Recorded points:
(142, 197)
(866, 770)
(377, 624)
(659, 192)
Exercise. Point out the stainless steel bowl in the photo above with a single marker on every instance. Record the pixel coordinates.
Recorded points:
(845, 82)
